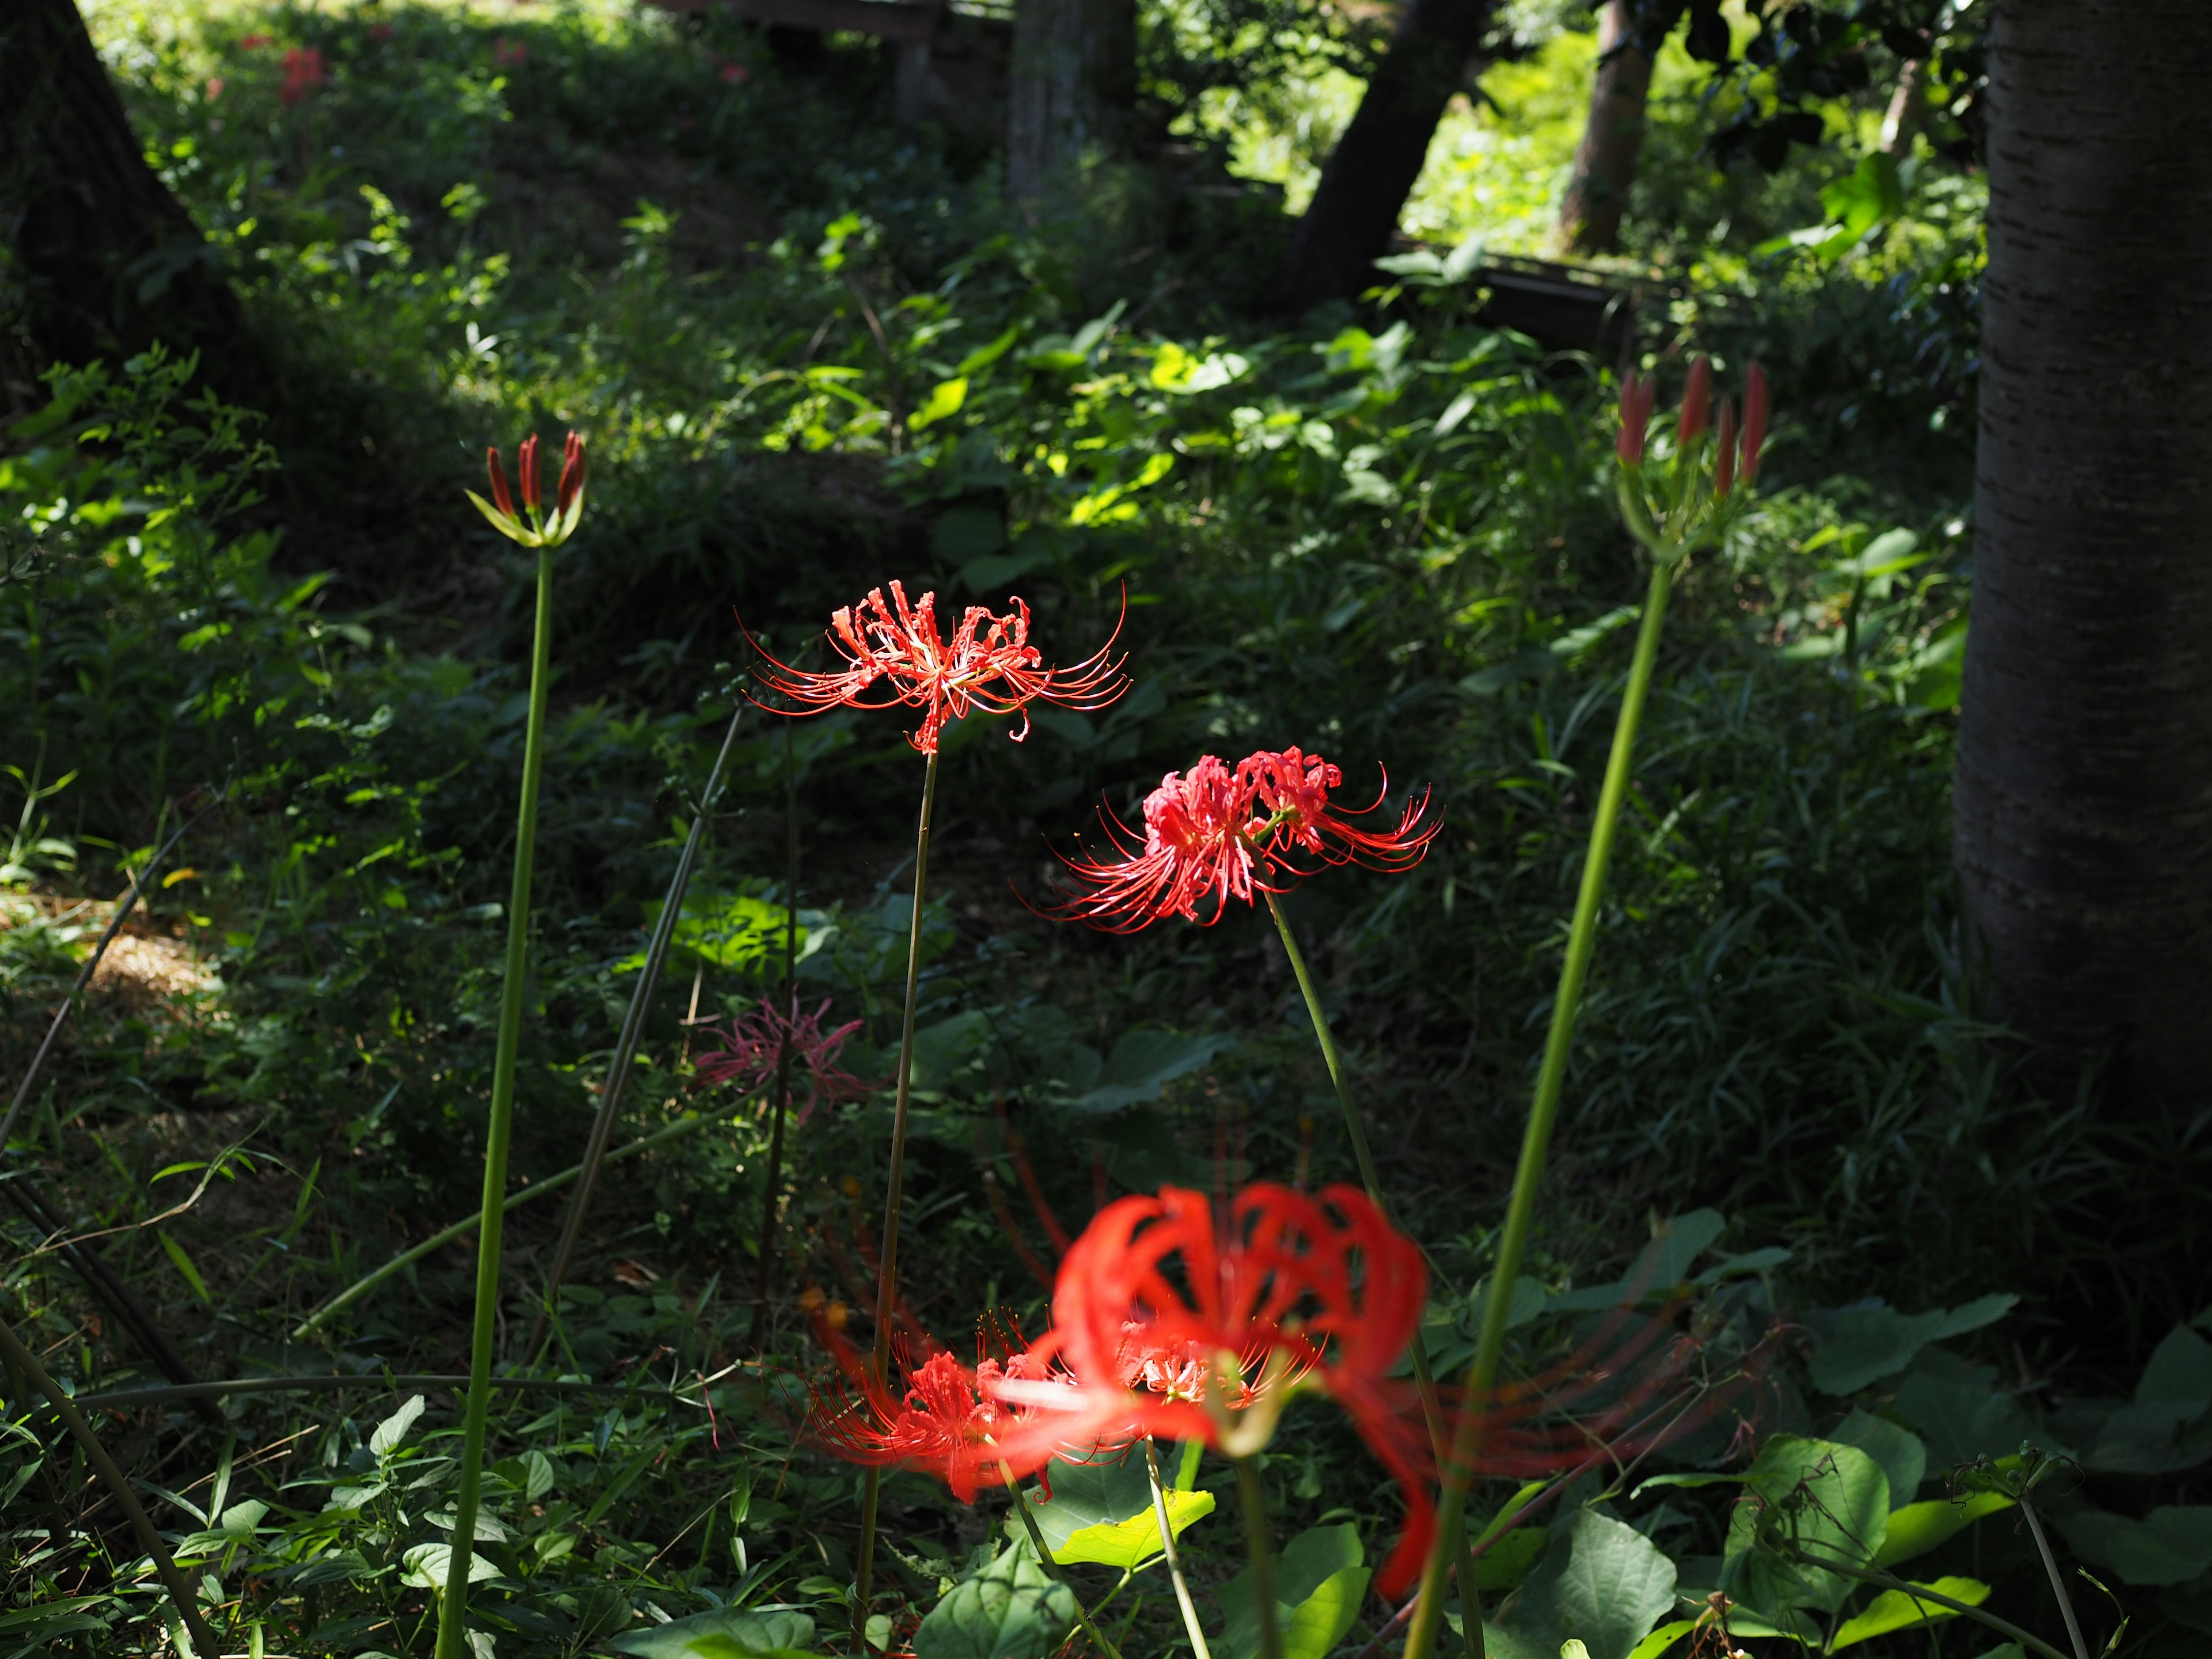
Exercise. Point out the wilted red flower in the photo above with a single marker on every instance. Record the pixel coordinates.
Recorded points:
(1210, 832)
(1308, 1292)
(990, 664)
(303, 73)
(531, 528)
(949, 1421)
(755, 1048)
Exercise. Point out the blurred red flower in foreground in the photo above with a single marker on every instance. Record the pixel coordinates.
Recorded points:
(1169, 1319)
(989, 664)
(303, 73)
(755, 1047)
(1210, 832)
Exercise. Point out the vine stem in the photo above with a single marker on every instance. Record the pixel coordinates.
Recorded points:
(871, 1486)
(1053, 1568)
(452, 1614)
(1198, 1649)
(1922, 1593)
(1253, 1500)
(1424, 1376)
(20, 1359)
(1528, 1175)
(2057, 1579)
(772, 1191)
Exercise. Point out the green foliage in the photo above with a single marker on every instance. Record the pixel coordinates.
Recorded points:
(1010, 1610)
(1319, 1577)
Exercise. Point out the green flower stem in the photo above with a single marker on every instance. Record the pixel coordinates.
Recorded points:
(1053, 1567)
(20, 1359)
(1922, 1593)
(2057, 1578)
(514, 1201)
(771, 1191)
(1528, 1177)
(887, 1270)
(1424, 1376)
(1190, 1623)
(1253, 1500)
(451, 1616)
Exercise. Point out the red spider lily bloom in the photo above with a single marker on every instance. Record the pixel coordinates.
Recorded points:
(504, 51)
(1724, 449)
(1637, 393)
(1697, 402)
(255, 42)
(532, 527)
(215, 86)
(755, 1048)
(303, 73)
(380, 33)
(949, 1422)
(1322, 1292)
(988, 664)
(1210, 833)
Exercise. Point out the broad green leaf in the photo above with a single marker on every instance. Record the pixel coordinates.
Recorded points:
(1091, 1495)
(1861, 1345)
(1602, 1582)
(723, 1633)
(2175, 1391)
(1320, 1582)
(429, 1565)
(393, 1430)
(944, 399)
(1665, 1263)
(2169, 1545)
(1895, 1610)
(1662, 1638)
(1899, 1451)
(1919, 1527)
(1829, 1499)
(1142, 1063)
(1010, 1610)
(1133, 1542)
(1959, 1411)
(1505, 1564)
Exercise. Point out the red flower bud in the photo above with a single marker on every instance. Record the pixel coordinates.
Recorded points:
(1697, 402)
(572, 473)
(527, 463)
(1754, 423)
(1724, 449)
(1636, 394)
(500, 498)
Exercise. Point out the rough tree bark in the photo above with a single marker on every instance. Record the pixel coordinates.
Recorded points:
(1605, 162)
(101, 258)
(1374, 167)
(2084, 785)
(1071, 88)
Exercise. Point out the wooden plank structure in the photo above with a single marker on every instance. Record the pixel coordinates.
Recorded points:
(1577, 307)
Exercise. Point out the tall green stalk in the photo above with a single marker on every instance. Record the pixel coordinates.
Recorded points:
(451, 1616)
(1252, 1498)
(772, 1191)
(1528, 1177)
(887, 1269)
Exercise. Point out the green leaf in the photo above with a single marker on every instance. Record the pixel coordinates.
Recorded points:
(1662, 1638)
(1602, 1582)
(1144, 1062)
(1676, 1243)
(2175, 1391)
(1896, 1610)
(185, 1266)
(1919, 1527)
(1320, 1582)
(1505, 1564)
(722, 1633)
(1864, 1344)
(1958, 1410)
(1102, 1514)
(2169, 1545)
(1010, 1610)
(944, 399)
(393, 1430)
(1899, 1451)
(1831, 1499)
(1133, 1542)
(428, 1566)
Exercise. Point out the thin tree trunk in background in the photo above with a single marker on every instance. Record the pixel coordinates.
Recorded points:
(1902, 118)
(1605, 162)
(2084, 789)
(105, 260)
(1375, 164)
(1070, 90)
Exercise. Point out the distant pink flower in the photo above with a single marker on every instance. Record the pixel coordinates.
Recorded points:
(504, 51)
(255, 42)
(736, 74)
(755, 1048)
(213, 88)
(303, 73)
(380, 33)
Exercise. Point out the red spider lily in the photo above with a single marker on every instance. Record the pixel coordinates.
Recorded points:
(988, 664)
(1210, 833)
(755, 1044)
(303, 73)
(504, 51)
(1319, 1293)
(949, 1421)
(255, 42)
(1637, 393)
(532, 527)
(1697, 402)
(1724, 449)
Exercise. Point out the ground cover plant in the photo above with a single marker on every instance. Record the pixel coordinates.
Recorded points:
(959, 1277)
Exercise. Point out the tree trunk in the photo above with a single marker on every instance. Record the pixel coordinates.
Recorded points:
(1374, 167)
(1071, 89)
(2084, 788)
(104, 258)
(1605, 162)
